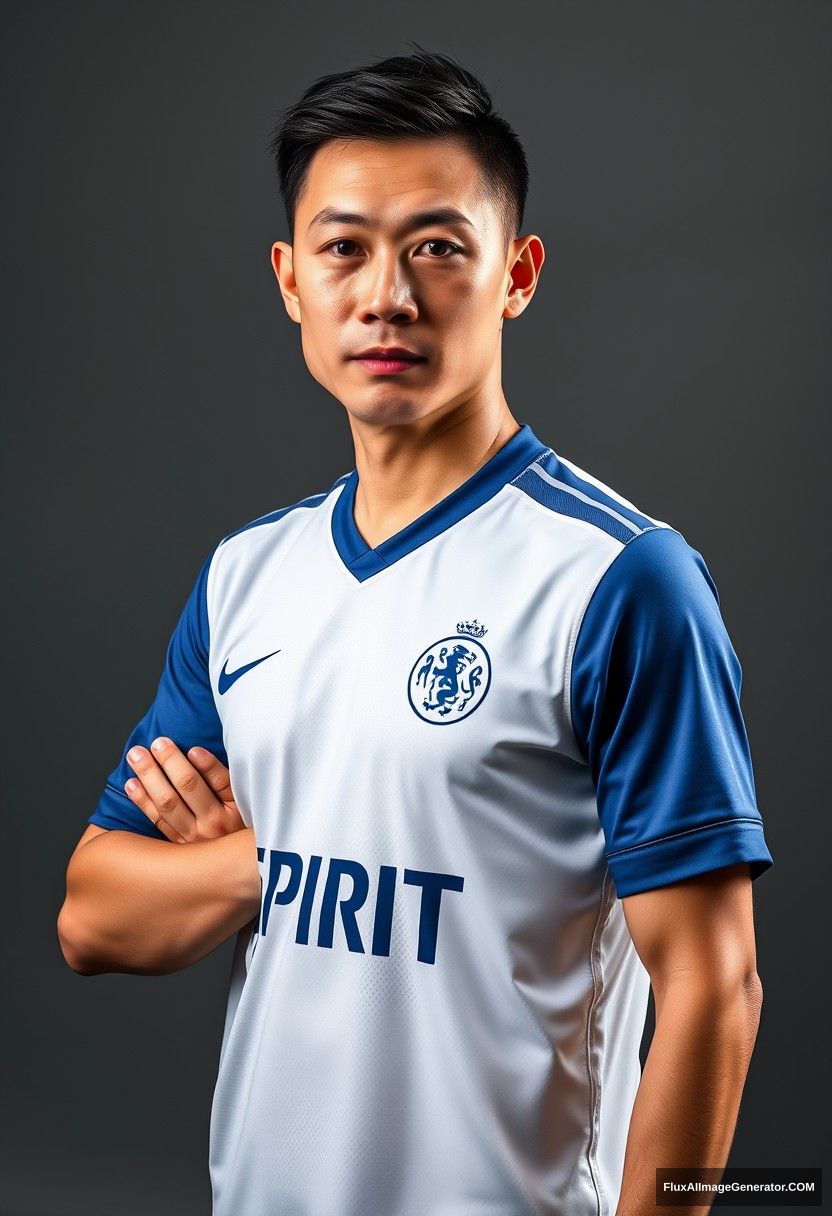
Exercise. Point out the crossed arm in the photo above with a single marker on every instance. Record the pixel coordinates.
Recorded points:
(135, 904)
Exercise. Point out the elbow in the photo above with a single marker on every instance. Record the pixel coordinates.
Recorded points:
(748, 1010)
(753, 991)
(73, 947)
(108, 954)
(738, 1001)
(742, 992)
(754, 988)
(733, 997)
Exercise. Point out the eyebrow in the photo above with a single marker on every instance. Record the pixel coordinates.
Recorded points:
(421, 219)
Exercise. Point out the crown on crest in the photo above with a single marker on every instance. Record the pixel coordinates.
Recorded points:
(473, 628)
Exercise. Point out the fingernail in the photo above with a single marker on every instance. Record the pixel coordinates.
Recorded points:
(130, 785)
(159, 745)
(134, 754)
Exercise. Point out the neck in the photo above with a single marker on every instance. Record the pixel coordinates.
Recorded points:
(405, 469)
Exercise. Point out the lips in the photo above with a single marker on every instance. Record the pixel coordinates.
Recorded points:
(388, 360)
(389, 367)
(389, 354)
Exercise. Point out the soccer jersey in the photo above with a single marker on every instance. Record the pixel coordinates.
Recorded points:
(458, 751)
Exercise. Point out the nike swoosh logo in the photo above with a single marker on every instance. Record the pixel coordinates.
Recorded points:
(227, 678)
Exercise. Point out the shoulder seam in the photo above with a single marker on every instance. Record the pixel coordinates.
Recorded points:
(618, 519)
(310, 501)
(531, 464)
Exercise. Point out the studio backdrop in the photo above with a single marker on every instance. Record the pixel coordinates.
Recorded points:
(156, 399)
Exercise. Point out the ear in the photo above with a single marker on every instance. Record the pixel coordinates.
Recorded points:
(525, 258)
(281, 258)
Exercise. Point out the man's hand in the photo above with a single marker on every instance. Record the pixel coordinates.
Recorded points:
(187, 798)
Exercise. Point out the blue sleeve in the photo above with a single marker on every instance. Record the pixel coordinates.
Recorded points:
(183, 709)
(655, 697)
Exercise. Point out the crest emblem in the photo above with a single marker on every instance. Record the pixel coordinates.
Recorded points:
(450, 679)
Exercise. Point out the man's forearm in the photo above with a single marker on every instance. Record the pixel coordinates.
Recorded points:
(148, 906)
(687, 1103)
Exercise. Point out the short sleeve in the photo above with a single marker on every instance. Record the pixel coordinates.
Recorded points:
(183, 709)
(655, 705)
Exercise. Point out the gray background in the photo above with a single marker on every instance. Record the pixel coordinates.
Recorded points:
(156, 397)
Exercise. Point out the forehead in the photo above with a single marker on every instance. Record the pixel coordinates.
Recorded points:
(385, 180)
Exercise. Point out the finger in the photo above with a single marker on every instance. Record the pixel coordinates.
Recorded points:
(164, 797)
(140, 797)
(185, 779)
(214, 772)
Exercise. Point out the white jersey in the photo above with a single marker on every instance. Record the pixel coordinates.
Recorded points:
(457, 750)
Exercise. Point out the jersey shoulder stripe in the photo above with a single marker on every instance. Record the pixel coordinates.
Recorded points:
(312, 500)
(564, 487)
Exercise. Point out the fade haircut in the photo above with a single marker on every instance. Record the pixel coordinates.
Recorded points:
(422, 95)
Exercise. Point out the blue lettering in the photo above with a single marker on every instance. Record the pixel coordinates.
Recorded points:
(384, 909)
(302, 935)
(432, 887)
(360, 887)
(277, 860)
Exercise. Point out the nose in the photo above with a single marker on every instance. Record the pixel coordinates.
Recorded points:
(385, 292)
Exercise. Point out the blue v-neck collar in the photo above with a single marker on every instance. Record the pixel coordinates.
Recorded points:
(362, 561)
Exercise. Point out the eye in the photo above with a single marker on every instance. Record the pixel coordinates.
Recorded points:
(454, 248)
(343, 241)
(336, 248)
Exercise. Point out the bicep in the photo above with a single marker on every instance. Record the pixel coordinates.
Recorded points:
(699, 928)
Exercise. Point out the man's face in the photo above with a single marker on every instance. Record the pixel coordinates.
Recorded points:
(392, 276)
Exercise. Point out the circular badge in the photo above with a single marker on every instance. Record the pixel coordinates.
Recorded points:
(450, 679)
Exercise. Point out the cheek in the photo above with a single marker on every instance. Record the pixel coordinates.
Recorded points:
(323, 300)
(470, 307)
(324, 310)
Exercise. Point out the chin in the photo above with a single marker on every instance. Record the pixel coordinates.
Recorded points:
(388, 409)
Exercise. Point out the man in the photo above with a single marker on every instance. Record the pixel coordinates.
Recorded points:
(488, 777)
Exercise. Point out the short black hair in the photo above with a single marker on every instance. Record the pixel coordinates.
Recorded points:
(404, 96)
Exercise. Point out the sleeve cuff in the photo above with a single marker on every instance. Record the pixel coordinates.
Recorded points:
(657, 863)
(115, 810)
